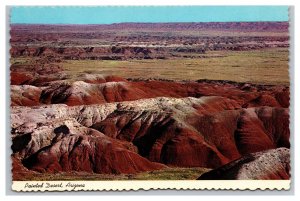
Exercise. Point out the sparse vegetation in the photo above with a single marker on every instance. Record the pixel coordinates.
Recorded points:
(165, 174)
(264, 66)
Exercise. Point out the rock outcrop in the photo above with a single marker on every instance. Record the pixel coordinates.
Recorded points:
(184, 132)
(98, 89)
(265, 165)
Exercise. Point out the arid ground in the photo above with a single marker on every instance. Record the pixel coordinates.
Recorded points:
(150, 101)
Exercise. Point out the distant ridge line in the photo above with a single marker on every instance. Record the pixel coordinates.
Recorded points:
(147, 23)
(240, 26)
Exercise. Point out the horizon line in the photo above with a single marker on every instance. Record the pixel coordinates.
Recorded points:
(147, 22)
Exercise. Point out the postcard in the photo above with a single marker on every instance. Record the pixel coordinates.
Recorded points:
(160, 97)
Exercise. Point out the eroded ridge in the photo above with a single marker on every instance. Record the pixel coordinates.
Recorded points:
(142, 135)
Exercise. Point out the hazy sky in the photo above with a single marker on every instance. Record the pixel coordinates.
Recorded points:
(108, 15)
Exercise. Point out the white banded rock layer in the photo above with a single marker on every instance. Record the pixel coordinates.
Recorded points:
(185, 132)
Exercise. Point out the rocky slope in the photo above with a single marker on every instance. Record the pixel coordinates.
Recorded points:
(98, 89)
(124, 137)
(271, 164)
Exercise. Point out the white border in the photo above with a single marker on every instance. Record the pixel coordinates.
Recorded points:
(147, 185)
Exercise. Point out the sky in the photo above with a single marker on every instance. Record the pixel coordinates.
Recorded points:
(119, 14)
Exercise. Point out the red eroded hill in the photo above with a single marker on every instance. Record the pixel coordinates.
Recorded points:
(98, 89)
(183, 132)
(89, 153)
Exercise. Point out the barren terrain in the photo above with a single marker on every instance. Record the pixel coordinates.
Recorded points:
(150, 101)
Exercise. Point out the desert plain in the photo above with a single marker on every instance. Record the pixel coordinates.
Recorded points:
(150, 101)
